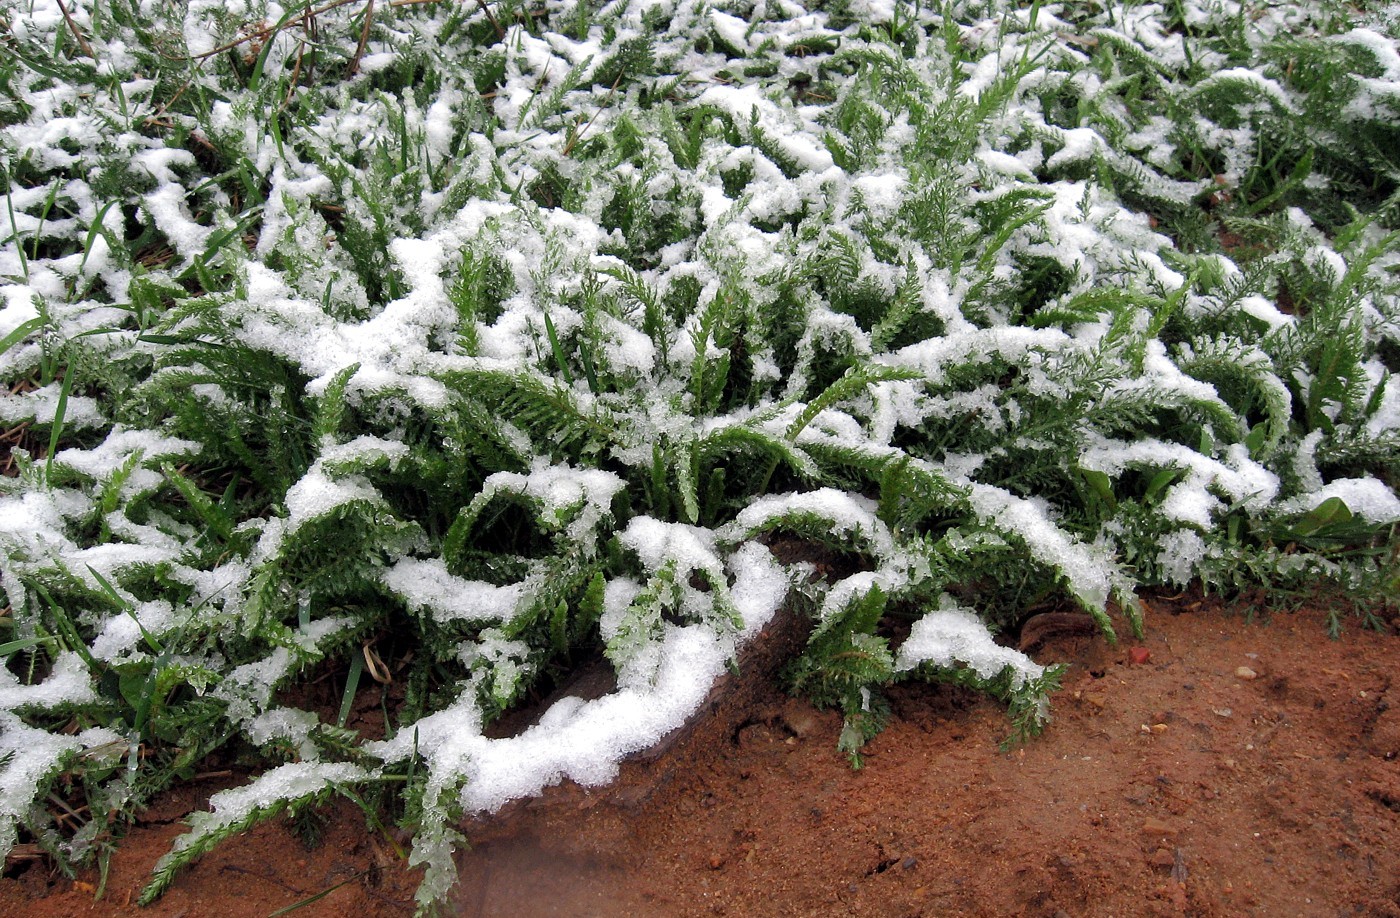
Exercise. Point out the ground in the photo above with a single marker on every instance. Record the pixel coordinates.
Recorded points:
(1246, 766)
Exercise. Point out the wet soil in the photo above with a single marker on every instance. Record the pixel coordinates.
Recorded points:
(1247, 766)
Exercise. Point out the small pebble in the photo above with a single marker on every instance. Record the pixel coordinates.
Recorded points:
(1244, 672)
(716, 862)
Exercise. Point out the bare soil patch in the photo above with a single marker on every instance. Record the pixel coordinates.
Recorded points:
(1246, 767)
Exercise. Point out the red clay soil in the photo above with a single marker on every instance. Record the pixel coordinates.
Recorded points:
(1244, 768)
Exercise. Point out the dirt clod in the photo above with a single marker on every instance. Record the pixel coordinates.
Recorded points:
(1158, 828)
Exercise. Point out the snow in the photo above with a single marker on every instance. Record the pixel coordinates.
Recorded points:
(949, 636)
(1189, 501)
(67, 684)
(280, 785)
(119, 446)
(731, 29)
(845, 513)
(743, 221)
(1367, 498)
(1383, 49)
(40, 406)
(1079, 144)
(559, 489)
(33, 754)
(1261, 83)
(1088, 574)
(657, 542)
(425, 584)
(1182, 551)
(585, 741)
(290, 725)
(248, 688)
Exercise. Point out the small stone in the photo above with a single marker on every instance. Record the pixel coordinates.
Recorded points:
(1156, 827)
(716, 862)
(1245, 673)
(1162, 858)
(1159, 729)
(1222, 712)
(1096, 699)
(909, 863)
(1139, 655)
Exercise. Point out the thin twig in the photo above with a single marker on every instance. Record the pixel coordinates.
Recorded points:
(68, 810)
(267, 30)
(211, 775)
(77, 32)
(269, 878)
(573, 140)
(301, 19)
(296, 75)
(306, 20)
(364, 40)
(491, 17)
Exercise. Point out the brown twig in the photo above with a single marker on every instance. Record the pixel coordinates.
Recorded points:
(296, 75)
(68, 811)
(264, 32)
(211, 775)
(491, 17)
(301, 19)
(77, 32)
(364, 40)
(306, 19)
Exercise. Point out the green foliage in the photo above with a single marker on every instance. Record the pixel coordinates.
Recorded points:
(844, 658)
(416, 346)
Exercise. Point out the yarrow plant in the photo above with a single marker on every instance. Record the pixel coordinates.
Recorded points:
(452, 344)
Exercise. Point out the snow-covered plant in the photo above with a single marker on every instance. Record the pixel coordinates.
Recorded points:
(455, 344)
